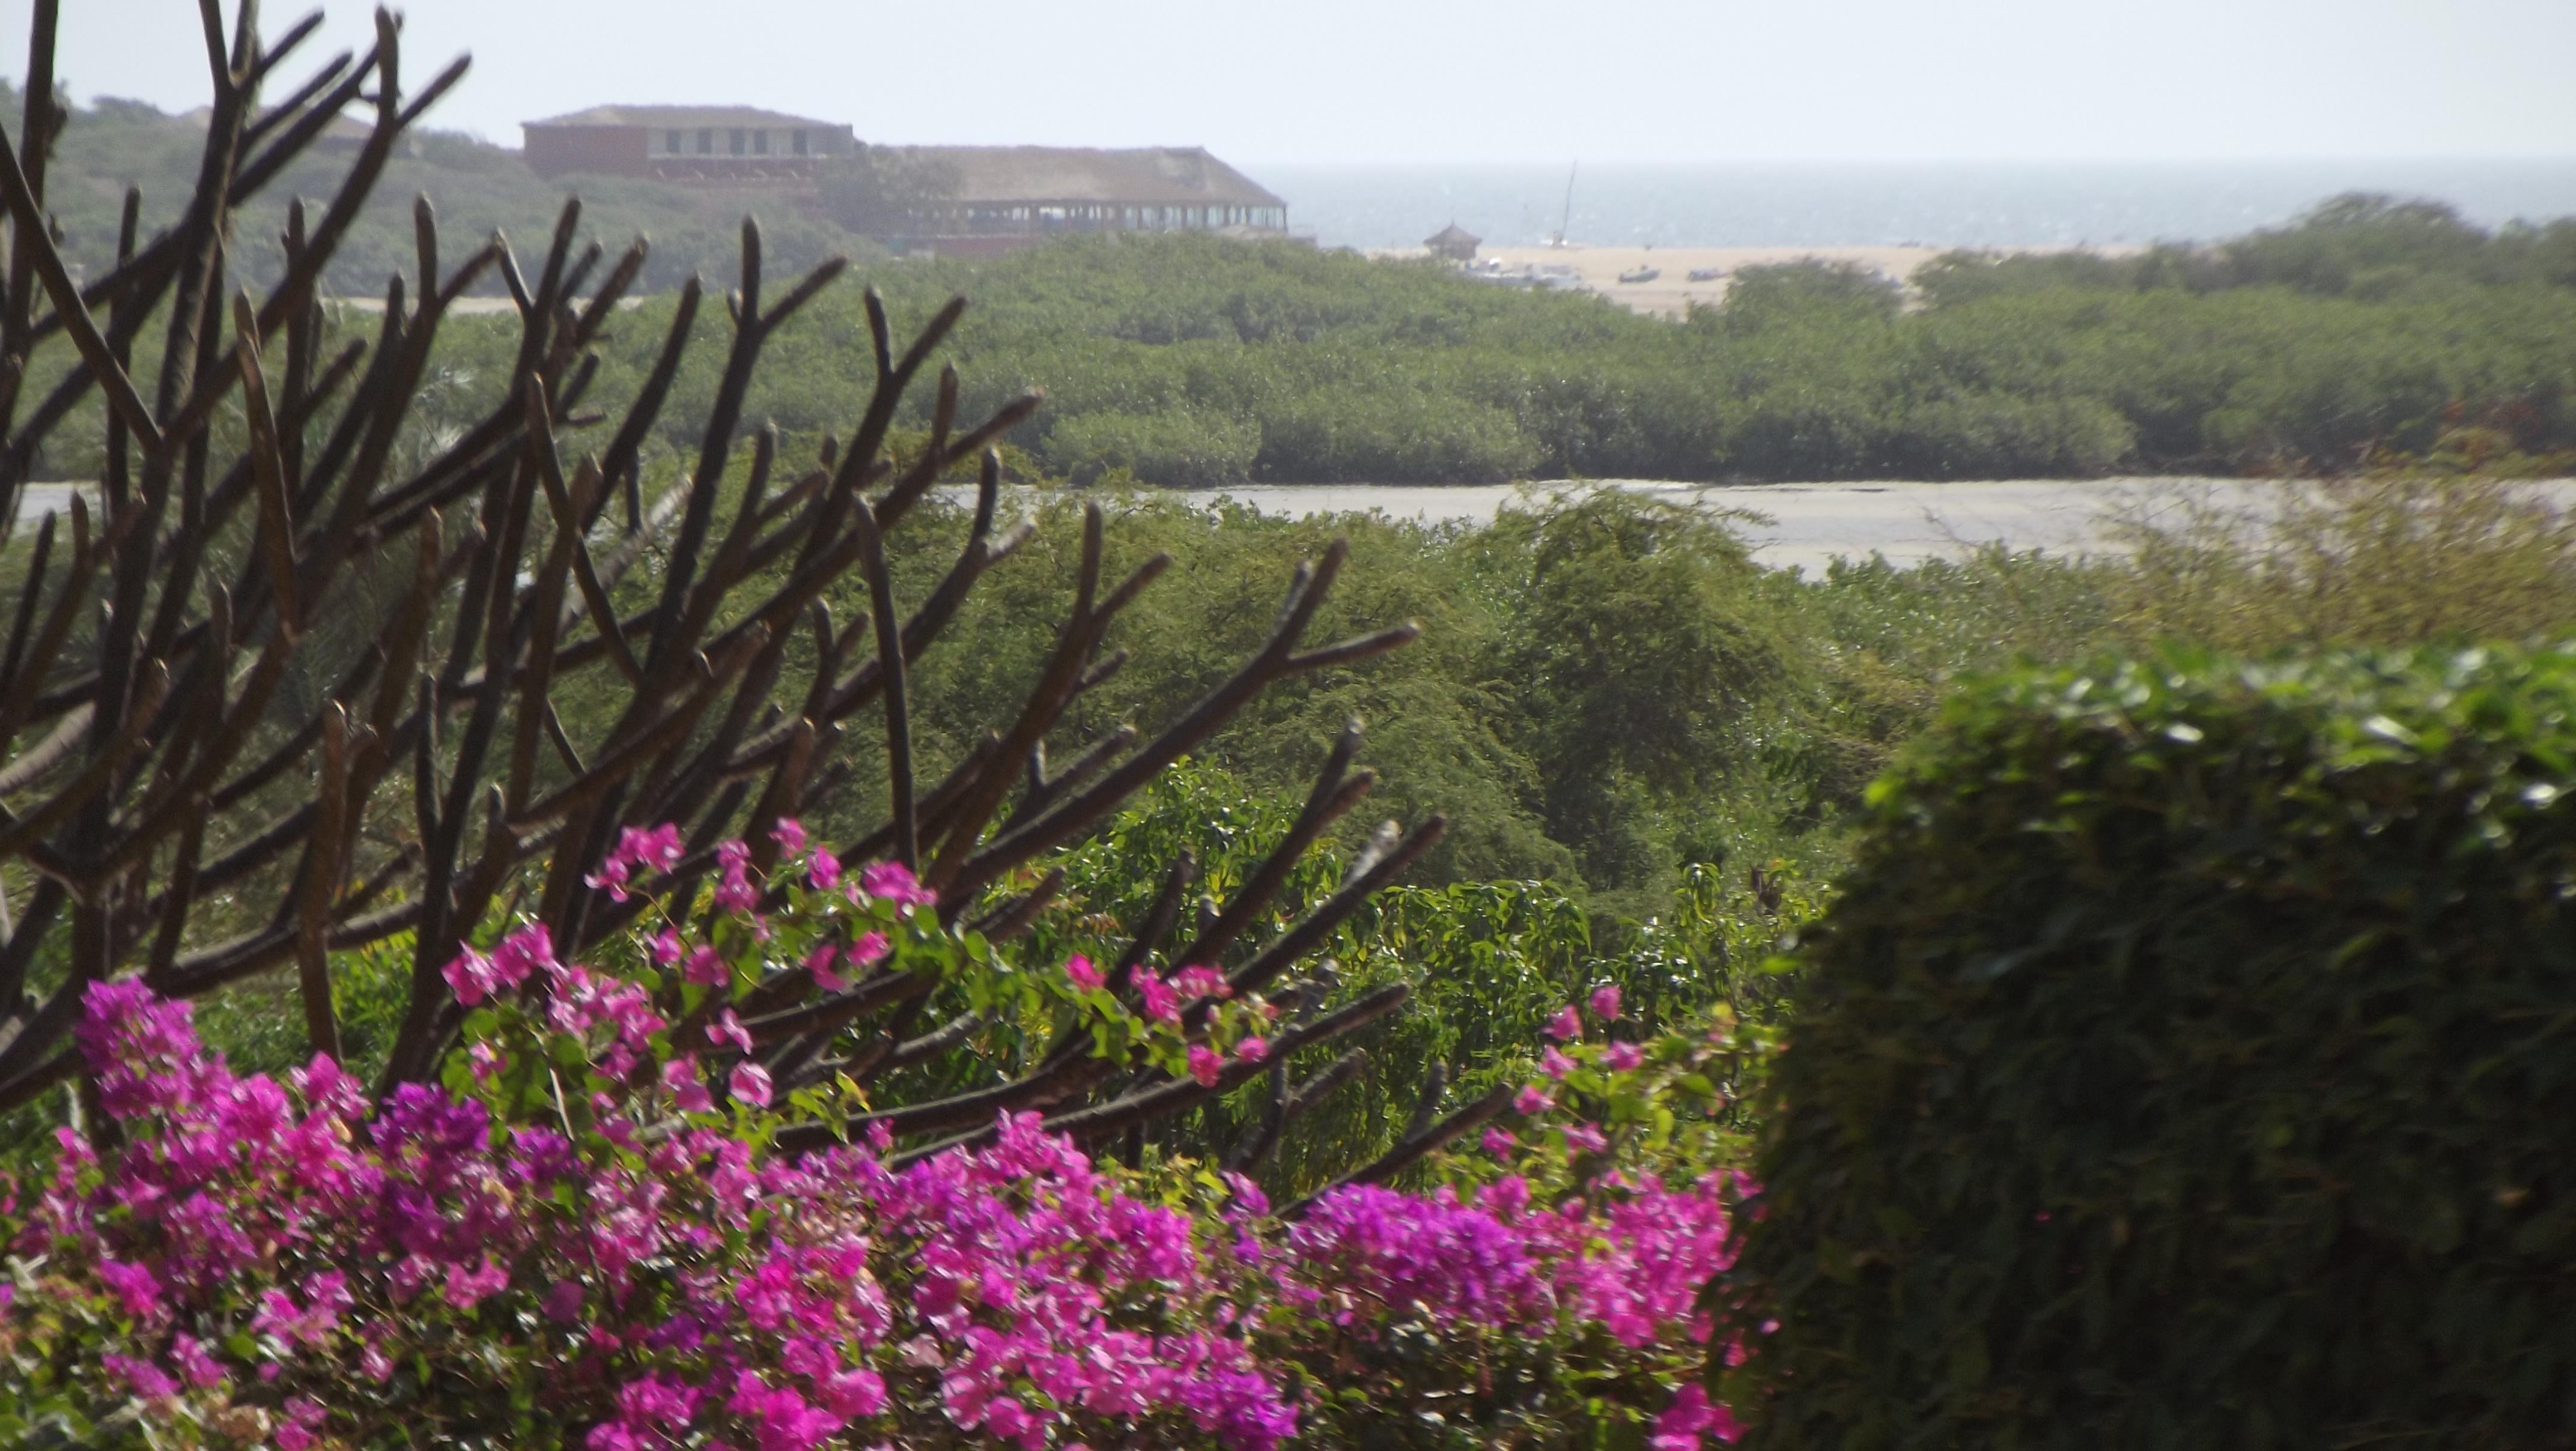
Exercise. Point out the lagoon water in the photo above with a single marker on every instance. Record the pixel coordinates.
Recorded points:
(1808, 526)
(1803, 526)
(1821, 205)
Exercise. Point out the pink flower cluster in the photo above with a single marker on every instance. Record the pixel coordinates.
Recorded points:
(1631, 1259)
(686, 1289)
(657, 850)
(690, 1291)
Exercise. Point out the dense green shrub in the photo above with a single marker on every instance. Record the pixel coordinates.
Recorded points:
(2186, 1063)
(1181, 449)
(2383, 560)
(1349, 370)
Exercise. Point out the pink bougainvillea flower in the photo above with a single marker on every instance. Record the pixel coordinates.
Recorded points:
(1532, 1102)
(1566, 1026)
(818, 963)
(1194, 983)
(136, 1289)
(1247, 1194)
(1554, 1064)
(1691, 1421)
(658, 849)
(522, 953)
(823, 870)
(611, 878)
(728, 1027)
(1585, 1138)
(304, 1416)
(789, 833)
(1624, 1057)
(472, 977)
(734, 892)
(680, 1076)
(1605, 1002)
(706, 969)
(140, 1377)
(894, 882)
(1084, 975)
(201, 1369)
(1162, 1004)
(1006, 1281)
(870, 948)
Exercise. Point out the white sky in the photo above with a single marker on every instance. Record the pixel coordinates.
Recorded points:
(1347, 81)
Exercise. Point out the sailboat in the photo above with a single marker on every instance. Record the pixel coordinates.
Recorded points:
(1558, 241)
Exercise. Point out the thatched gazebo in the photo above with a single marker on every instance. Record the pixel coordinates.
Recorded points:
(1454, 243)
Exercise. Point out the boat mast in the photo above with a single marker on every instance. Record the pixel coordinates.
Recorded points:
(1568, 219)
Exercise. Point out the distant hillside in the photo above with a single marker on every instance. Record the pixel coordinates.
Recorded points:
(477, 188)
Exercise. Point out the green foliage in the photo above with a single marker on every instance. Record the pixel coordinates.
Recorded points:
(1179, 449)
(1639, 651)
(1780, 294)
(1490, 963)
(1197, 361)
(2361, 243)
(2371, 325)
(2182, 1064)
(478, 188)
(2388, 559)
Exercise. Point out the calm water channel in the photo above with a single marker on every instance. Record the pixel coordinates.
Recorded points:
(1803, 525)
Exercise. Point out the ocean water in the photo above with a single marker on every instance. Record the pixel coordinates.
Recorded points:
(1956, 205)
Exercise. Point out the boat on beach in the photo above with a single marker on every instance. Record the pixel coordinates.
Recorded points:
(1706, 274)
(1640, 274)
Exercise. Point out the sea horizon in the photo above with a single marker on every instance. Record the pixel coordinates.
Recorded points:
(1375, 206)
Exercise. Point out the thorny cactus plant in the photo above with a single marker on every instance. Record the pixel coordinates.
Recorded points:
(163, 769)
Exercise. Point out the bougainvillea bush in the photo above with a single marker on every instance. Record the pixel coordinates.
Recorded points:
(585, 1236)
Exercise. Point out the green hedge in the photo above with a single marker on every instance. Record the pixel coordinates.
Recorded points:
(2190, 1061)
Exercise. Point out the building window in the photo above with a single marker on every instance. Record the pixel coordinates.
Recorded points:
(706, 142)
(800, 142)
(674, 143)
(739, 140)
(760, 143)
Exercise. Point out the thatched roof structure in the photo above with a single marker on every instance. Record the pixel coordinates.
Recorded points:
(1453, 242)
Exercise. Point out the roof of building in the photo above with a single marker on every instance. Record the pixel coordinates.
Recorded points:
(1452, 235)
(684, 117)
(1145, 176)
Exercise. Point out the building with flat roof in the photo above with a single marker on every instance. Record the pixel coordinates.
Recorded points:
(708, 145)
(972, 200)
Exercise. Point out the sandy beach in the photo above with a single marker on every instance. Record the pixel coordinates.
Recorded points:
(1672, 293)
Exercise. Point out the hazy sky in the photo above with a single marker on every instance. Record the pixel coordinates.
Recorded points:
(1501, 80)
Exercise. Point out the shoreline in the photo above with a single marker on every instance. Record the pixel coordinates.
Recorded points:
(1800, 525)
(1597, 268)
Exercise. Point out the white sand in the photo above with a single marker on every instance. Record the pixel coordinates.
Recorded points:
(1671, 294)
